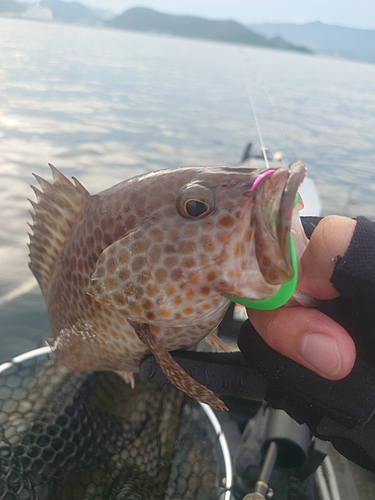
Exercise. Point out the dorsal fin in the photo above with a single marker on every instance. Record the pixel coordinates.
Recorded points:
(57, 206)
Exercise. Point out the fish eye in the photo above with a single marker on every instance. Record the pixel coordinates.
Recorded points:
(195, 208)
(195, 201)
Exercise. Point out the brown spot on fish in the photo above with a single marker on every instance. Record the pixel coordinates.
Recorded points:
(164, 313)
(157, 235)
(123, 274)
(151, 290)
(170, 290)
(135, 309)
(187, 247)
(222, 285)
(207, 243)
(194, 278)
(223, 236)
(248, 236)
(204, 260)
(137, 264)
(239, 249)
(188, 262)
(160, 275)
(266, 261)
(177, 274)
(169, 249)
(111, 265)
(137, 247)
(113, 334)
(211, 276)
(226, 221)
(118, 298)
(106, 300)
(110, 284)
(171, 261)
(272, 275)
(191, 232)
(264, 246)
(143, 277)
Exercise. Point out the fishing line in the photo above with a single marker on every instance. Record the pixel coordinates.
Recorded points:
(257, 124)
(279, 121)
(275, 111)
(350, 199)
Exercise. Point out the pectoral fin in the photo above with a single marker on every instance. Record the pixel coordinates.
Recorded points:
(173, 371)
(121, 275)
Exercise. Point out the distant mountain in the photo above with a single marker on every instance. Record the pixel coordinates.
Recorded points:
(143, 19)
(53, 10)
(71, 12)
(327, 39)
(12, 7)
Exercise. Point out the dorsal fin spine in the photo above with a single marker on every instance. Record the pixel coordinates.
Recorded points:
(55, 211)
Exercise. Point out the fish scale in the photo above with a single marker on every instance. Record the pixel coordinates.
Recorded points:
(145, 265)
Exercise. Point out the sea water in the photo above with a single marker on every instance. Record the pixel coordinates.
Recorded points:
(105, 105)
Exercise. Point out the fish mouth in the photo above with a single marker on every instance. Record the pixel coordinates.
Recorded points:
(274, 200)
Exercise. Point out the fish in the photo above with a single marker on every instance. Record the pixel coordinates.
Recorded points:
(145, 266)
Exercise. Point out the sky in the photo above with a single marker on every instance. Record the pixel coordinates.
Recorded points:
(350, 13)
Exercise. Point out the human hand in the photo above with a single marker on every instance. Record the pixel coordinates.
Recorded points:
(305, 334)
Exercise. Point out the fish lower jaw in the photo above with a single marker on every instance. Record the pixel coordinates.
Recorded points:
(254, 291)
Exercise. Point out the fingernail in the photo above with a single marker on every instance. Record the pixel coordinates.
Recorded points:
(321, 351)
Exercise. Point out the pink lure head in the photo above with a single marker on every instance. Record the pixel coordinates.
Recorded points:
(260, 177)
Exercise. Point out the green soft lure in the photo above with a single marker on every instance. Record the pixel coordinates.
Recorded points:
(283, 294)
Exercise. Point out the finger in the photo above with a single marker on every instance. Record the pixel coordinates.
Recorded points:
(329, 240)
(309, 337)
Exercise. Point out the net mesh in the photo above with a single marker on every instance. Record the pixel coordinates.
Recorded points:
(72, 436)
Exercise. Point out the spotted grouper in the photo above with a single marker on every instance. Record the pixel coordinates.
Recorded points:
(144, 267)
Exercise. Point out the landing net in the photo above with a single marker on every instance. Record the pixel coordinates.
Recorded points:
(88, 436)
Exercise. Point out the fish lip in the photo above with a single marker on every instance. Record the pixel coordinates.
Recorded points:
(296, 175)
(273, 203)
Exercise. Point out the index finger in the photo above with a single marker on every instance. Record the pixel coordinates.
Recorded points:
(329, 240)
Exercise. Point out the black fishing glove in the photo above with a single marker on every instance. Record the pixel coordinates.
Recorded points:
(339, 411)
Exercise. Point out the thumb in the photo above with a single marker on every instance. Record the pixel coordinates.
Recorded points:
(329, 240)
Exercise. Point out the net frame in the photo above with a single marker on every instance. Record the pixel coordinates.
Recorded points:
(16, 466)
